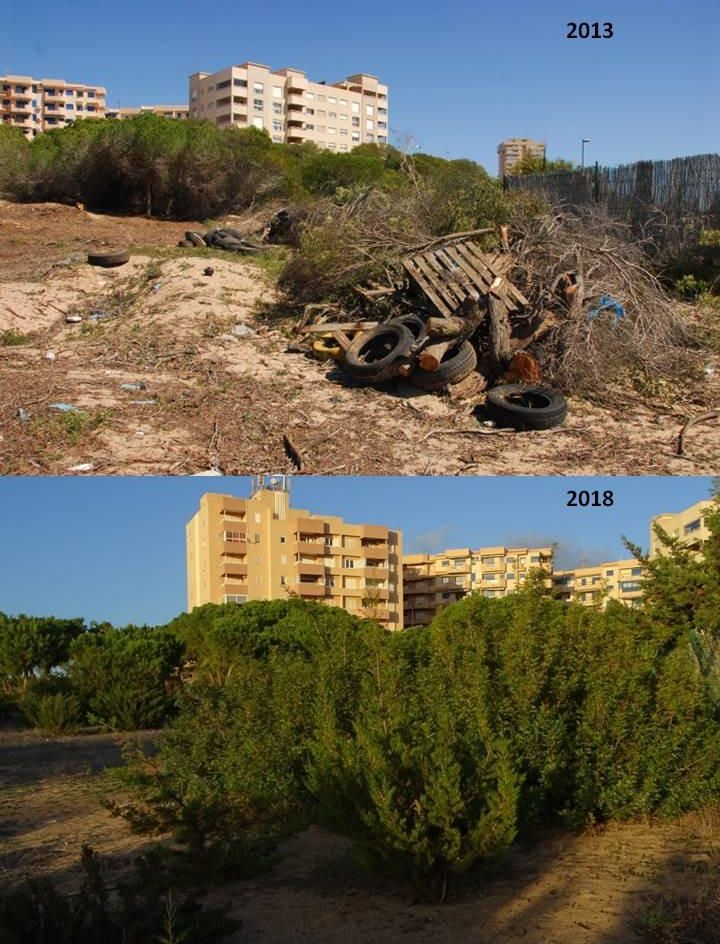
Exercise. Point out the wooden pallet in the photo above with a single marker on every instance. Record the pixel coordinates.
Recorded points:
(451, 273)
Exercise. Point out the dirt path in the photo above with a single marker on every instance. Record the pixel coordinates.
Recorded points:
(567, 888)
(206, 397)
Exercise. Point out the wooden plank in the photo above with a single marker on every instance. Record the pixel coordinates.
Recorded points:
(429, 286)
(483, 278)
(331, 326)
(452, 293)
(457, 273)
(489, 275)
(467, 268)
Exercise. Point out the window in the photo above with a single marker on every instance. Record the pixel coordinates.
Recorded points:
(69, 107)
(309, 127)
(356, 122)
(69, 92)
(369, 110)
(446, 580)
(369, 124)
(692, 526)
(277, 91)
(332, 130)
(258, 88)
(348, 563)
(309, 111)
(382, 111)
(258, 104)
(609, 573)
(332, 100)
(356, 136)
(342, 101)
(383, 125)
(282, 538)
(277, 126)
(92, 93)
(343, 131)
(356, 108)
(240, 83)
(310, 96)
(283, 581)
(234, 598)
(223, 85)
(636, 572)
(332, 114)
(277, 138)
(277, 108)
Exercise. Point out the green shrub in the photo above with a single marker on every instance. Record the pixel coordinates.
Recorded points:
(143, 909)
(53, 713)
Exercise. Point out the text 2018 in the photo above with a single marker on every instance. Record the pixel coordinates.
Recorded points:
(589, 31)
(590, 499)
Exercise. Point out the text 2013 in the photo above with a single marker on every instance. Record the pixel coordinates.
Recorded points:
(589, 31)
(590, 499)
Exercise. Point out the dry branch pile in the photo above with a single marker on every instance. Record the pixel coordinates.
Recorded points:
(651, 347)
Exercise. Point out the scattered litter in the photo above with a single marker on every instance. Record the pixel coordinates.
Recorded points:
(50, 356)
(143, 402)
(241, 330)
(83, 467)
(208, 270)
(223, 238)
(709, 372)
(213, 470)
(73, 319)
(157, 286)
(23, 414)
(134, 385)
(608, 303)
(99, 315)
(63, 407)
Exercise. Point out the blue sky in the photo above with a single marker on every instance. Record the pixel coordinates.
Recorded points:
(463, 74)
(113, 548)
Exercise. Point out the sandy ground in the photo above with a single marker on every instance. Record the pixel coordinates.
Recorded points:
(564, 888)
(207, 397)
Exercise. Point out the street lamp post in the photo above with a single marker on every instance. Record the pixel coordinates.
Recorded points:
(582, 158)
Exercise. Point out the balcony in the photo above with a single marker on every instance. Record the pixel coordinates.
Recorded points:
(310, 548)
(311, 589)
(376, 551)
(376, 573)
(375, 593)
(233, 571)
(413, 574)
(235, 585)
(311, 570)
(295, 100)
(234, 547)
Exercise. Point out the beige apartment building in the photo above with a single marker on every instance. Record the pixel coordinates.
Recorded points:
(35, 105)
(166, 111)
(259, 548)
(593, 586)
(291, 108)
(688, 526)
(515, 149)
(433, 581)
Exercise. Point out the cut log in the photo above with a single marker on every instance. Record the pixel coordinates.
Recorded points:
(445, 327)
(499, 334)
(431, 356)
(337, 326)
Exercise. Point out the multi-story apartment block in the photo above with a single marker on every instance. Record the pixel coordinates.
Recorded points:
(433, 581)
(260, 548)
(291, 108)
(167, 111)
(615, 580)
(515, 149)
(36, 105)
(688, 526)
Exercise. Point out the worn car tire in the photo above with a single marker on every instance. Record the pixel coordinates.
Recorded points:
(414, 323)
(456, 364)
(526, 406)
(376, 355)
(195, 238)
(186, 244)
(108, 260)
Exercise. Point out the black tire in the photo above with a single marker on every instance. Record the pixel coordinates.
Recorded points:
(524, 406)
(456, 364)
(186, 244)
(108, 260)
(414, 323)
(376, 355)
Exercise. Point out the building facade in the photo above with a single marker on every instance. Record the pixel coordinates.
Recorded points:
(433, 581)
(619, 580)
(291, 108)
(515, 149)
(35, 105)
(687, 526)
(259, 548)
(166, 111)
